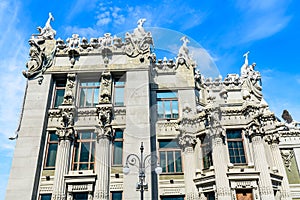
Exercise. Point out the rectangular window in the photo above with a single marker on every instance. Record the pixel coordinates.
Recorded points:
(45, 197)
(80, 196)
(167, 105)
(116, 196)
(172, 198)
(119, 88)
(51, 150)
(89, 93)
(245, 194)
(59, 93)
(206, 148)
(84, 151)
(170, 156)
(210, 196)
(118, 148)
(235, 146)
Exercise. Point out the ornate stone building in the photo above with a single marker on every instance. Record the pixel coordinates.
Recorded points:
(90, 103)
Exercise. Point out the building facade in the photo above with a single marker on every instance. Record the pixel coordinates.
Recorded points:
(90, 103)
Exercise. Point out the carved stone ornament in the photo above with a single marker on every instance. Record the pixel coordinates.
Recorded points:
(70, 90)
(73, 48)
(287, 155)
(47, 32)
(65, 130)
(104, 114)
(138, 42)
(186, 140)
(183, 57)
(105, 90)
(40, 59)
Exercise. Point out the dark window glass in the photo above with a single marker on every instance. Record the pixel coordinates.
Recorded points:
(236, 147)
(80, 196)
(167, 105)
(51, 150)
(119, 88)
(59, 92)
(206, 148)
(88, 93)
(172, 198)
(84, 151)
(118, 148)
(45, 197)
(170, 156)
(116, 195)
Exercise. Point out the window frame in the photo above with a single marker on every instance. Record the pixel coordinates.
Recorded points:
(50, 142)
(116, 87)
(239, 140)
(113, 148)
(112, 192)
(166, 162)
(75, 166)
(169, 101)
(97, 85)
(55, 89)
(205, 143)
(46, 194)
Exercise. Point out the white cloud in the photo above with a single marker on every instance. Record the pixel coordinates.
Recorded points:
(261, 19)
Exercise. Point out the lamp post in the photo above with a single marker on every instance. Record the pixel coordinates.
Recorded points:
(140, 162)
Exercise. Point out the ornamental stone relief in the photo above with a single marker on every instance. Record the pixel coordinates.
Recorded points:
(69, 96)
(138, 42)
(287, 156)
(105, 90)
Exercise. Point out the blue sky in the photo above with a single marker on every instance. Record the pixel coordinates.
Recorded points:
(269, 29)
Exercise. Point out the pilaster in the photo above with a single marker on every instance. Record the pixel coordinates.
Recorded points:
(285, 193)
(102, 155)
(261, 165)
(187, 143)
(220, 166)
(65, 133)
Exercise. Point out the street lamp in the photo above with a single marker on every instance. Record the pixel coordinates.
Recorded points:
(140, 162)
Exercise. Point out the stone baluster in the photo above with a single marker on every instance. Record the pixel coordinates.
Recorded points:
(285, 193)
(261, 165)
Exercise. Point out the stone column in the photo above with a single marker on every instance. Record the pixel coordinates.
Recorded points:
(285, 193)
(187, 141)
(102, 155)
(65, 133)
(102, 163)
(220, 166)
(261, 165)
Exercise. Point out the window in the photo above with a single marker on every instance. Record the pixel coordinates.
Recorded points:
(244, 194)
(172, 198)
(51, 150)
(59, 93)
(206, 147)
(84, 151)
(210, 196)
(170, 156)
(118, 148)
(45, 197)
(80, 196)
(116, 195)
(167, 105)
(89, 93)
(119, 85)
(236, 147)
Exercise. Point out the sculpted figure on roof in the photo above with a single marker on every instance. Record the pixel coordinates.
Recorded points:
(47, 32)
